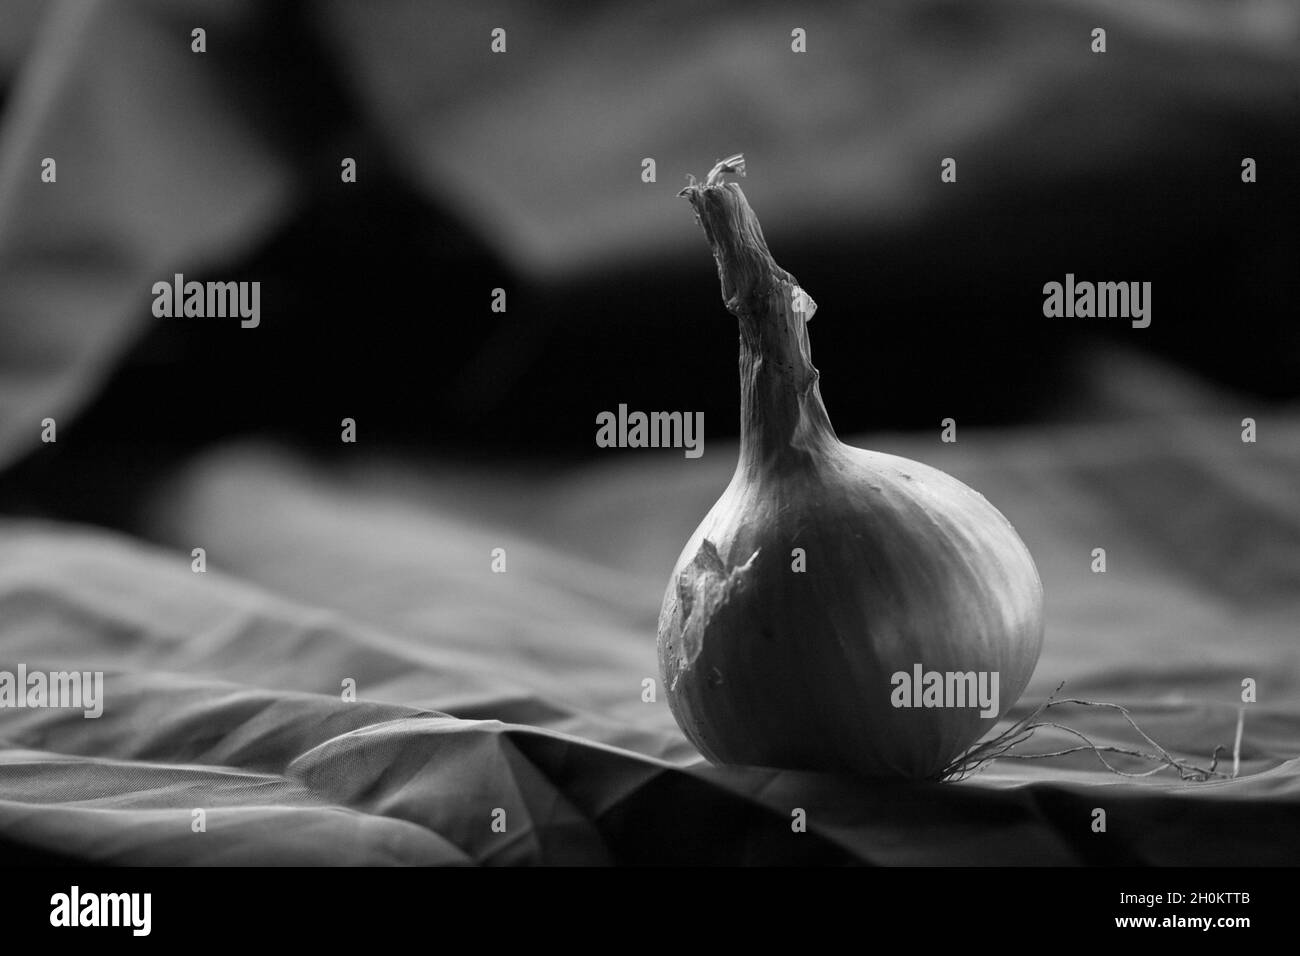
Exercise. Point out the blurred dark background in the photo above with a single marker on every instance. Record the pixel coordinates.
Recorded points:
(522, 171)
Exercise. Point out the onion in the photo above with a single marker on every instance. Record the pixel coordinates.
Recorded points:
(836, 609)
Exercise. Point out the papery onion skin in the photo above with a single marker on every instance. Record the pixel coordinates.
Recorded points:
(765, 665)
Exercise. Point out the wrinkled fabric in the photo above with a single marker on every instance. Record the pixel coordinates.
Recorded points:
(518, 696)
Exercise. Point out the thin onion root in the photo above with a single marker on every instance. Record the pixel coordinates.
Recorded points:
(1001, 747)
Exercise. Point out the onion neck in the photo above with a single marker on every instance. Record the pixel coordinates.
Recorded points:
(783, 423)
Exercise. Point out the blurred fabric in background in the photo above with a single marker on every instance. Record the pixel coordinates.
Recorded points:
(522, 171)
